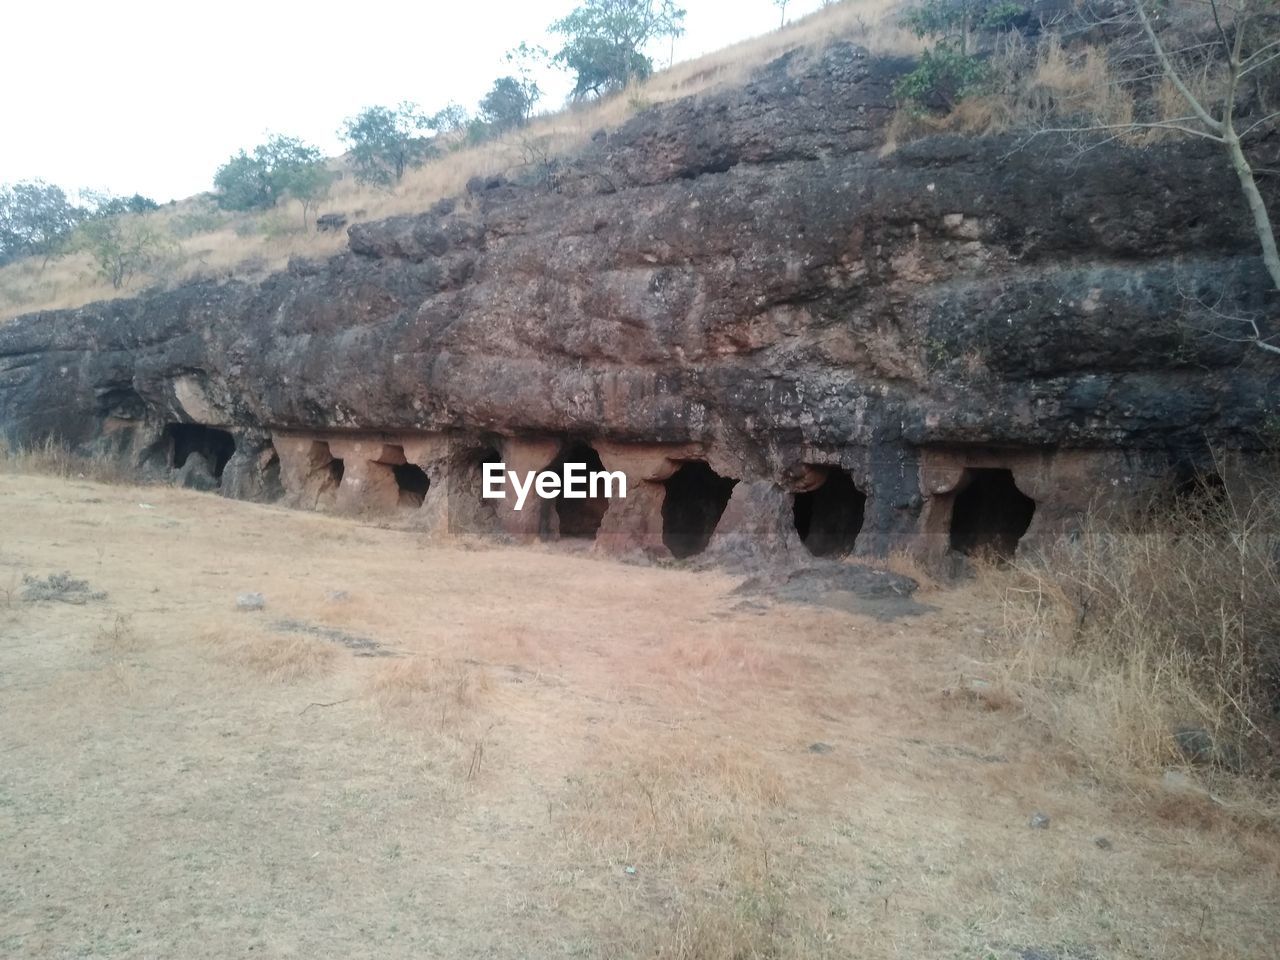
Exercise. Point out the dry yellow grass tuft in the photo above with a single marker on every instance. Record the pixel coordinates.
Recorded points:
(1141, 627)
(213, 245)
(441, 692)
(118, 636)
(907, 565)
(280, 657)
(656, 799)
(54, 459)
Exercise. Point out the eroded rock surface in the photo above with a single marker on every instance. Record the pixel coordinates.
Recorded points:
(743, 279)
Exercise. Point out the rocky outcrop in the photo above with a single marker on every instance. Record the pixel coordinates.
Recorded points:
(742, 281)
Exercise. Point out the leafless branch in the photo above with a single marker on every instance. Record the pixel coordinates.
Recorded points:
(1174, 77)
(1253, 126)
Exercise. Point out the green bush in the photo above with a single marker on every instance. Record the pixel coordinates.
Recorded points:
(944, 74)
(950, 70)
(257, 181)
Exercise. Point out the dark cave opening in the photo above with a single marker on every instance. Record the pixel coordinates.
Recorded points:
(272, 487)
(477, 459)
(695, 500)
(410, 479)
(579, 517)
(990, 514)
(215, 446)
(829, 518)
(412, 482)
(1199, 492)
(326, 471)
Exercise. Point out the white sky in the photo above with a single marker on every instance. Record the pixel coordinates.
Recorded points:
(150, 97)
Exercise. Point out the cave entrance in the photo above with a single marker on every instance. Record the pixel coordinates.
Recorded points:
(272, 487)
(1199, 494)
(214, 446)
(695, 500)
(411, 481)
(579, 518)
(326, 470)
(990, 514)
(476, 461)
(829, 517)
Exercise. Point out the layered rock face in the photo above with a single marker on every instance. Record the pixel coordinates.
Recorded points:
(784, 337)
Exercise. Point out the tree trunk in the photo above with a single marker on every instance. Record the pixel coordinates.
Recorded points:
(1258, 208)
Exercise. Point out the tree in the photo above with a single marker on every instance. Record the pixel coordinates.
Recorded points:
(122, 246)
(1209, 73)
(449, 119)
(106, 205)
(310, 186)
(950, 70)
(35, 218)
(384, 142)
(1217, 121)
(275, 169)
(604, 41)
(506, 105)
(782, 8)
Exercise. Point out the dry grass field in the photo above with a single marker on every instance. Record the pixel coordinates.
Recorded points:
(465, 750)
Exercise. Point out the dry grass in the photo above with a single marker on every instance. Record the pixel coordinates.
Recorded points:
(54, 459)
(785, 781)
(432, 692)
(279, 657)
(659, 799)
(118, 636)
(908, 565)
(1142, 626)
(667, 806)
(214, 245)
(1047, 85)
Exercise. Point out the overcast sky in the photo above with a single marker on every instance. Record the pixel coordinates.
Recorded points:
(150, 97)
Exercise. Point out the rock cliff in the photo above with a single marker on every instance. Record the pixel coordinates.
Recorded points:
(952, 344)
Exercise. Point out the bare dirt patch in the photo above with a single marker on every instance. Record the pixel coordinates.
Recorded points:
(565, 757)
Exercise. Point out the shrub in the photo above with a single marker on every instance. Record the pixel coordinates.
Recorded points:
(123, 247)
(258, 181)
(384, 142)
(952, 70)
(35, 217)
(506, 105)
(944, 75)
(604, 41)
(1143, 624)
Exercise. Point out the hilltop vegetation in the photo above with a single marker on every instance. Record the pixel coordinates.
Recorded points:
(207, 238)
(983, 67)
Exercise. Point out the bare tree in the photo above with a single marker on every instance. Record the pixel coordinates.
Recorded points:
(1209, 72)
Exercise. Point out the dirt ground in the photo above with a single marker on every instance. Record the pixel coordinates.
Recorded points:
(459, 750)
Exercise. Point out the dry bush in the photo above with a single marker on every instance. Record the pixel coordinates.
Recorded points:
(118, 636)
(1142, 625)
(907, 564)
(440, 693)
(55, 459)
(280, 657)
(217, 246)
(1033, 86)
